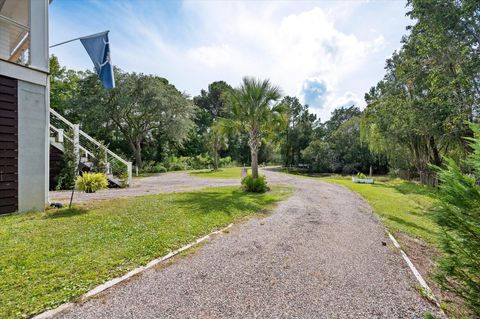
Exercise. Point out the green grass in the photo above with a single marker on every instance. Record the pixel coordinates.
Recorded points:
(53, 257)
(227, 172)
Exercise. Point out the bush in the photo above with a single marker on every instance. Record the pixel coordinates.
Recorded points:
(227, 162)
(159, 168)
(255, 185)
(202, 161)
(459, 215)
(176, 163)
(197, 162)
(177, 166)
(91, 182)
(153, 167)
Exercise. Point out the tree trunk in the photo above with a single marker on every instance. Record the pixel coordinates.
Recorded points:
(254, 153)
(437, 160)
(138, 154)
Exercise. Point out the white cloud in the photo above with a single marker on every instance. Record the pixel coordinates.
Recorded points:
(346, 100)
(211, 56)
(296, 44)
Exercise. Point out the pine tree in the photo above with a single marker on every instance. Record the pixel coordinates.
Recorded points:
(459, 215)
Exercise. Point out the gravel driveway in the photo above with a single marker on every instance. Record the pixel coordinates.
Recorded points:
(161, 183)
(319, 255)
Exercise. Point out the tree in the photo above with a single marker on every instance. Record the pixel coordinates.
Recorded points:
(298, 130)
(339, 116)
(216, 141)
(254, 112)
(211, 104)
(350, 155)
(337, 146)
(319, 155)
(63, 85)
(140, 109)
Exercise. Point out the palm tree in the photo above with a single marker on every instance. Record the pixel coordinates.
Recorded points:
(216, 141)
(254, 110)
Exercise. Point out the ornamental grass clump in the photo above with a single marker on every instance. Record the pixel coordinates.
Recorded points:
(255, 185)
(91, 182)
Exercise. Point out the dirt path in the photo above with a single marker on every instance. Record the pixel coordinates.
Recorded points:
(319, 255)
(161, 183)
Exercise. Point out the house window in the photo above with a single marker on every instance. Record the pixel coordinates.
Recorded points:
(15, 31)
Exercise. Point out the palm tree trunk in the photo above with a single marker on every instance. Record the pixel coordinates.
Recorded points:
(254, 153)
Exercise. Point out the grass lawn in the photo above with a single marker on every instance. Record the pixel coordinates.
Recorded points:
(227, 172)
(53, 257)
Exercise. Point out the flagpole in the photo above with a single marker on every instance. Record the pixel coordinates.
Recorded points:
(87, 36)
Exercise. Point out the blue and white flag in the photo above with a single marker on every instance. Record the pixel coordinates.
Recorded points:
(98, 48)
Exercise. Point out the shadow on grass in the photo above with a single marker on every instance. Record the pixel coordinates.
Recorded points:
(410, 225)
(417, 189)
(65, 212)
(206, 172)
(210, 201)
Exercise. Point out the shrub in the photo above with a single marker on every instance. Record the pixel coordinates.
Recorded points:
(227, 162)
(178, 166)
(176, 163)
(148, 166)
(255, 185)
(201, 161)
(153, 167)
(159, 168)
(91, 182)
(459, 215)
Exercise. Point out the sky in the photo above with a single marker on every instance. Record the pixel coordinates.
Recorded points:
(327, 53)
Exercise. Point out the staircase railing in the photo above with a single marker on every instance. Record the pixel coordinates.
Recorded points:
(86, 148)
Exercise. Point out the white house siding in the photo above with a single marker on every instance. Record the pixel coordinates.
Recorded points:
(32, 146)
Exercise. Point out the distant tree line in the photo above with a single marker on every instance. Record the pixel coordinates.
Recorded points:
(147, 120)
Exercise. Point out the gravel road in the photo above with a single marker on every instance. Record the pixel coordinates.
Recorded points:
(319, 255)
(161, 183)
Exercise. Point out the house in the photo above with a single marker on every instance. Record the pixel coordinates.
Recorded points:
(24, 105)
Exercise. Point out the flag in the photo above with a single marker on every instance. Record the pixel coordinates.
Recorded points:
(98, 48)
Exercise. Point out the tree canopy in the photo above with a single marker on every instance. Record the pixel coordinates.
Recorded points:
(431, 88)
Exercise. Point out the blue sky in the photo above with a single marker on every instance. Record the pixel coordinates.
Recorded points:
(328, 53)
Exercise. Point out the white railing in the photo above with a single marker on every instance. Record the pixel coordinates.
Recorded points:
(85, 147)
